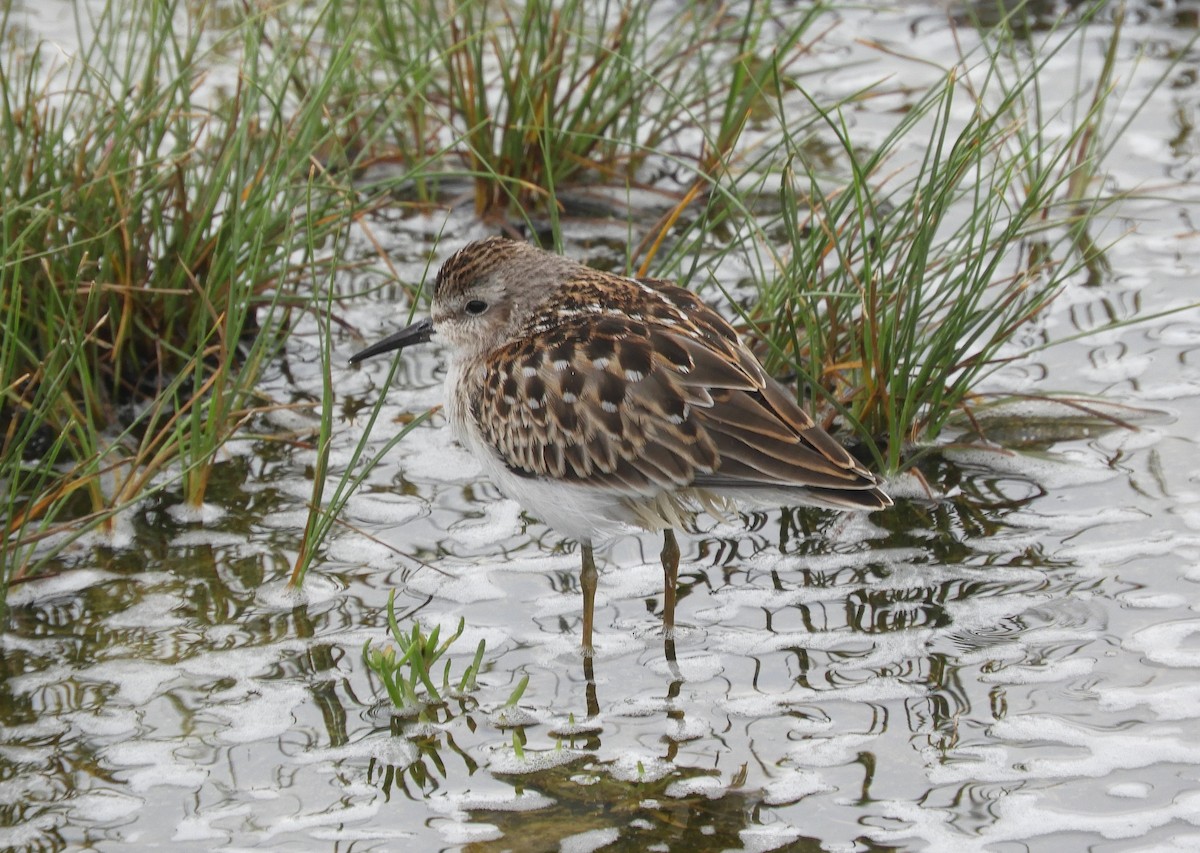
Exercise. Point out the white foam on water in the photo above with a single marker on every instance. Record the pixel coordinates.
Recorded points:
(1021, 816)
(299, 488)
(137, 681)
(430, 455)
(350, 549)
(642, 706)
(147, 764)
(284, 519)
(1112, 366)
(206, 513)
(911, 487)
(985, 613)
(199, 828)
(693, 669)
(1177, 702)
(119, 534)
(832, 751)
(771, 559)
(107, 722)
(241, 664)
(553, 651)
(390, 750)
(329, 818)
(874, 689)
(840, 847)
(103, 805)
(1129, 441)
(39, 729)
(23, 788)
(761, 839)
(1145, 600)
(1094, 753)
(1104, 555)
(47, 647)
(348, 834)
(23, 754)
(688, 728)
(55, 586)
(707, 786)
(153, 610)
(742, 641)
(280, 596)
(1180, 334)
(1007, 542)
(509, 717)
(752, 705)
(1073, 521)
(571, 726)
(29, 833)
(1054, 471)
(634, 765)
(793, 785)
(461, 583)
(257, 712)
(1167, 643)
(384, 507)
(809, 726)
(992, 653)
(589, 841)
(1130, 790)
(503, 759)
(640, 581)
(30, 682)
(724, 612)
(291, 419)
(1168, 391)
(204, 537)
(734, 599)
(931, 826)
(463, 833)
(456, 806)
(502, 520)
(1048, 672)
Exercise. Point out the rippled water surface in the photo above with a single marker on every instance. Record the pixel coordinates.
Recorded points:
(1013, 667)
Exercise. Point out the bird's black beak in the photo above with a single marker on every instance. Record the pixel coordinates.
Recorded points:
(417, 333)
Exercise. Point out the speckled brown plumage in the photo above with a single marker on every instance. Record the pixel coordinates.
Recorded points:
(637, 387)
(599, 401)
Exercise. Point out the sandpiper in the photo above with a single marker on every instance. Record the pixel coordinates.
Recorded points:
(600, 403)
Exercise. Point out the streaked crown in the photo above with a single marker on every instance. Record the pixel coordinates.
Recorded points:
(487, 290)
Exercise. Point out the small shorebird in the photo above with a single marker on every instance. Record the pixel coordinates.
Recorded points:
(600, 402)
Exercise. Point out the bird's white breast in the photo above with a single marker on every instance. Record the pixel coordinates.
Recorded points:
(579, 511)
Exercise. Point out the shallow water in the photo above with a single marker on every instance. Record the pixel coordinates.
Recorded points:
(1010, 668)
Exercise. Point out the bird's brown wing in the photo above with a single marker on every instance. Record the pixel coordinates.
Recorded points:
(652, 393)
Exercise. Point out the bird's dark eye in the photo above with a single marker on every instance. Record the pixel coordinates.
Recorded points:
(476, 306)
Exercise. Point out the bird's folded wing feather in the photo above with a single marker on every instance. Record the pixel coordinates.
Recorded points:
(643, 401)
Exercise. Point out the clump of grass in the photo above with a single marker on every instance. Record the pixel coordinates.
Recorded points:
(407, 667)
(150, 240)
(903, 285)
(906, 289)
(526, 99)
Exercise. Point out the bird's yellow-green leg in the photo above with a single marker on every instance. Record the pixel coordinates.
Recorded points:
(670, 564)
(587, 582)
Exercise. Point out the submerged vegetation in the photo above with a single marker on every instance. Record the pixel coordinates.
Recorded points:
(163, 221)
(407, 667)
(152, 242)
